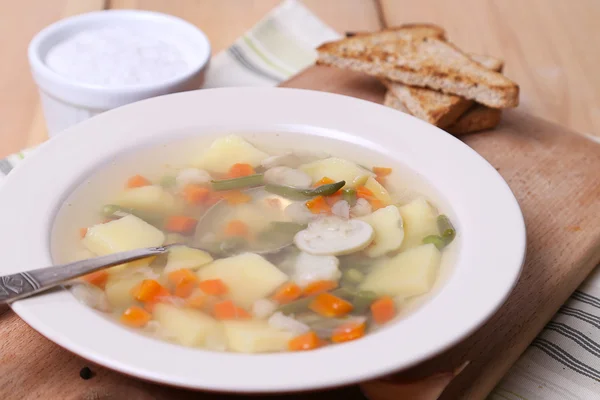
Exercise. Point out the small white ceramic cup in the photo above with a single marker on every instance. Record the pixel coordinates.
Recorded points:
(66, 102)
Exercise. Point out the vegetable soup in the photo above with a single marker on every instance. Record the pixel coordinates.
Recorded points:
(273, 251)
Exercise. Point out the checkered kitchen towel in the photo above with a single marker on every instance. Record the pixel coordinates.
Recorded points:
(563, 362)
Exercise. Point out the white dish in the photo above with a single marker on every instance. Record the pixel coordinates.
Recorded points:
(67, 102)
(488, 219)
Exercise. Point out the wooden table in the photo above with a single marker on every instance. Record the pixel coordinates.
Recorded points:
(547, 49)
(547, 45)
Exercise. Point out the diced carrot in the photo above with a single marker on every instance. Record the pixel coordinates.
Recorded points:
(228, 310)
(239, 170)
(318, 205)
(136, 317)
(317, 287)
(307, 341)
(236, 228)
(214, 287)
(376, 204)
(382, 171)
(364, 193)
(182, 275)
(185, 282)
(194, 194)
(197, 300)
(97, 278)
(137, 181)
(348, 331)
(334, 198)
(148, 290)
(83, 232)
(234, 197)
(323, 181)
(181, 224)
(382, 180)
(287, 293)
(383, 310)
(328, 305)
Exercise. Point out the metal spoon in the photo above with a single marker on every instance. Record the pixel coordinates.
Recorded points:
(25, 284)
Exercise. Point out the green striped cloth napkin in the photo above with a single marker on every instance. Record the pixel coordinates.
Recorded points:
(563, 362)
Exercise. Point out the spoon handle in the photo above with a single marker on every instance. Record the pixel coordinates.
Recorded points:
(24, 284)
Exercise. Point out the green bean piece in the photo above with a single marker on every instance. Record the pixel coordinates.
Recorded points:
(446, 228)
(353, 276)
(238, 183)
(344, 293)
(294, 193)
(439, 242)
(168, 181)
(349, 195)
(363, 300)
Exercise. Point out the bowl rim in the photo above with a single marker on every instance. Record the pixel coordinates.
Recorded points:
(488, 266)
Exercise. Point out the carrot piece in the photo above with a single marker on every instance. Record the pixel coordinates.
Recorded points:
(137, 181)
(376, 204)
(307, 341)
(365, 193)
(197, 300)
(228, 310)
(383, 310)
(329, 305)
(239, 170)
(348, 331)
(214, 287)
(83, 232)
(185, 282)
(323, 181)
(135, 317)
(317, 287)
(234, 197)
(382, 180)
(287, 293)
(236, 228)
(318, 205)
(148, 290)
(382, 171)
(97, 278)
(194, 194)
(181, 224)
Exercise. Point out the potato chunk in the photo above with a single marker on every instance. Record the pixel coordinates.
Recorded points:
(420, 220)
(378, 190)
(185, 326)
(118, 289)
(127, 233)
(186, 257)
(248, 276)
(229, 150)
(255, 337)
(408, 274)
(149, 199)
(389, 231)
(337, 169)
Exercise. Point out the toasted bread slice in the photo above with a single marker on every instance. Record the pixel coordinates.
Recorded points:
(438, 108)
(477, 118)
(361, 39)
(419, 59)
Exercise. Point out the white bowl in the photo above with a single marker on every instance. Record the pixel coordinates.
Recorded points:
(491, 242)
(66, 102)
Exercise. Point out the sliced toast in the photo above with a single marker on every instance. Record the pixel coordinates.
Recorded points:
(477, 118)
(438, 108)
(419, 57)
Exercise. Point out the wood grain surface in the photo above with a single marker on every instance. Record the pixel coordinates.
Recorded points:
(546, 45)
(553, 172)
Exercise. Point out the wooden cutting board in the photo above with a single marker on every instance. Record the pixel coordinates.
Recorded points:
(555, 175)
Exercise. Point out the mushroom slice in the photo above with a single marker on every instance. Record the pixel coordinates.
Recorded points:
(334, 236)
